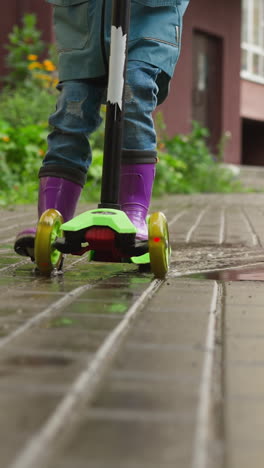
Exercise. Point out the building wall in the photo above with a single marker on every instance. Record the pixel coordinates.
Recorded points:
(222, 20)
(12, 12)
(252, 100)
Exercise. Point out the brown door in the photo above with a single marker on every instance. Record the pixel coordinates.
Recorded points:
(207, 84)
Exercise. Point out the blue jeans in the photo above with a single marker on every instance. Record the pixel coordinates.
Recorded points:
(77, 117)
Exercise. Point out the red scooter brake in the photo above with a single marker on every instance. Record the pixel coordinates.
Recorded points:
(102, 241)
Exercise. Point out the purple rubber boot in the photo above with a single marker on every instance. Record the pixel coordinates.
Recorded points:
(136, 184)
(54, 192)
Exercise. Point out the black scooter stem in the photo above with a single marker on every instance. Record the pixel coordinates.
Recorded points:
(115, 104)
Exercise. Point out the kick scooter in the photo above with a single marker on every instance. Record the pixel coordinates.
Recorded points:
(106, 233)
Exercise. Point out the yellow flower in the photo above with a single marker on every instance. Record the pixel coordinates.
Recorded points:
(6, 138)
(34, 65)
(42, 76)
(41, 152)
(161, 146)
(32, 57)
(49, 66)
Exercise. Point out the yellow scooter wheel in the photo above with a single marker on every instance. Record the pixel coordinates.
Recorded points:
(49, 228)
(159, 246)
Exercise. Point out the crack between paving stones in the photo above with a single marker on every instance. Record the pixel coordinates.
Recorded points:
(201, 439)
(177, 217)
(255, 237)
(196, 224)
(223, 373)
(14, 265)
(222, 227)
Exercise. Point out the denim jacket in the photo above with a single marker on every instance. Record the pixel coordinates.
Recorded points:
(83, 41)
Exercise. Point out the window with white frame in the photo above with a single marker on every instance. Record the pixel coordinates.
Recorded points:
(253, 40)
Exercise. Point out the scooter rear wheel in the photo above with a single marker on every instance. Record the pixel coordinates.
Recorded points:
(49, 228)
(159, 247)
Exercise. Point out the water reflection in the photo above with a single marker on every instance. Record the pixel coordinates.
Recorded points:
(240, 274)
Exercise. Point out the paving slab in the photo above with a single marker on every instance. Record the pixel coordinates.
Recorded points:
(105, 367)
(244, 373)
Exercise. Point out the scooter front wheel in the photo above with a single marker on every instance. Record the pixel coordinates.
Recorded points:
(159, 247)
(49, 228)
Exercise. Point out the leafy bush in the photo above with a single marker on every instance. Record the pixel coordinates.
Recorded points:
(24, 47)
(26, 100)
(23, 42)
(19, 107)
(186, 164)
(21, 150)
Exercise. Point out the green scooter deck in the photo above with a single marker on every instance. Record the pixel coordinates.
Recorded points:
(114, 219)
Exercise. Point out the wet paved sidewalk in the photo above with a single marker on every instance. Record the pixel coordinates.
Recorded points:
(105, 367)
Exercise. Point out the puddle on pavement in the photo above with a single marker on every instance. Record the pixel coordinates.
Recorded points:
(241, 274)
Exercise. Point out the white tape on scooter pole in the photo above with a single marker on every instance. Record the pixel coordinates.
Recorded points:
(117, 66)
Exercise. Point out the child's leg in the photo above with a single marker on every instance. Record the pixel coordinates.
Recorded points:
(77, 116)
(139, 150)
(63, 173)
(154, 47)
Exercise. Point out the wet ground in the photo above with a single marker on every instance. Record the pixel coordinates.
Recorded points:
(104, 366)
